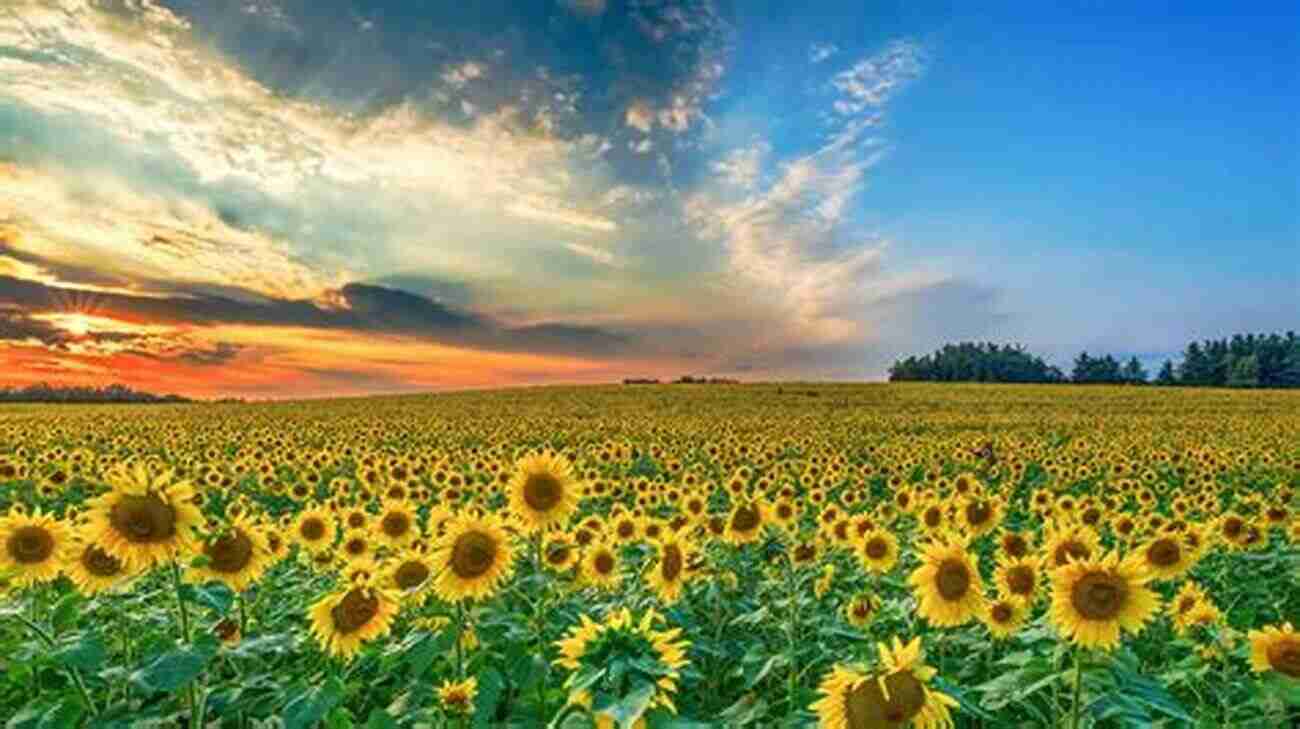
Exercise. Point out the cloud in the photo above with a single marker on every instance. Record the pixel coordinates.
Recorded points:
(873, 81)
(603, 257)
(640, 116)
(819, 52)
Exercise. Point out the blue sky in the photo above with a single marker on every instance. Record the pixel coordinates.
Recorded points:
(274, 197)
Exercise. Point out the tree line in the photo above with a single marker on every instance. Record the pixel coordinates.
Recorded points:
(1244, 360)
(47, 393)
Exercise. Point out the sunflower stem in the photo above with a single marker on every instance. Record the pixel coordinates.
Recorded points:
(540, 619)
(1077, 707)
(73, 673)
(792, 593)
(181, 610)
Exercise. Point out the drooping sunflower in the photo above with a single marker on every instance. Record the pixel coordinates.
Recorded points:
(236, 554)
(457, 697)
(1019, 579)
(1094, 599)
(344, 619)
(878, 551)
(669, 575)
(146, 518)
(948, 586)
(36, 546)
(1004, 617)
(595, 644)
(472, 559)
(543, 492)
(92, 570)
(600, 566)
(1275, 648)
(894, 695)
(396, 526)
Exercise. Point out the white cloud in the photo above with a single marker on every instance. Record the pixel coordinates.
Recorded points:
(819, 52)
(874, 80)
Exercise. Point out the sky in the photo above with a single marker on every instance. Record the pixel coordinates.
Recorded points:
(306, 198)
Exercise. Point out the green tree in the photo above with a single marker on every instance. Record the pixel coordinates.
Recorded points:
(1166, 375)
(1243, 371)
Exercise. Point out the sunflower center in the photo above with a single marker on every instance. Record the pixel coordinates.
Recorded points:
(143, 518)
(604, 563)
(1099, 595)
(1015, 546)
(395, 524)
(312, 529)
(866, 707)
(933, 516)
(977, 513)
(354, 611)
(99, 563)
(231, 552)
(876, 548)
(1284, 657)
(1164, 553)
(671, 566)
(542, 491)
(745, 519)
(473, 555)
(1020, 580)
(1071, 550)
(411, 574)
(1001, 613)
(1233, 527)
(558, 554)
(30, 545)
(626, 529)
(953, 580)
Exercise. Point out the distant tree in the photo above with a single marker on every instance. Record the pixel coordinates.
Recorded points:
(1243, 371)
(47, 393)
(1166, 374)
(1133, 372)
(975, 362)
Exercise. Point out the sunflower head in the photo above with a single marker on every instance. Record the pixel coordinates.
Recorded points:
(1092, 600)
(894, 694)
(472, 559)
(345, 619)
(33, 547)
(543, 492)
(1275, 648)
(948, 584)
(146, 518)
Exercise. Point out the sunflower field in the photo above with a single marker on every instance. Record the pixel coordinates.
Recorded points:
(656, 557)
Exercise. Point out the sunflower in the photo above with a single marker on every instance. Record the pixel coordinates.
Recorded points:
(1013, 544)
(36, 546)
(657, 654)
(559, 551)
(625, 528)
(146, 518)
(1275, 648)
(894, 695)
(457, 697)
(357, 545)
(472, 558)
(1018, 579)
(409, 574)
(878, 551)
(1165, 556)
(1093, 599)
(396, 526)
(92, 570)
(1004, 617)
(1067, 543)
(236, 556)
(669, 574)
(543, 492)
(860, 611)
(979, 515)
(600, 566)
(344, 619)
(947, 584)
(805, 551)
(745, 524)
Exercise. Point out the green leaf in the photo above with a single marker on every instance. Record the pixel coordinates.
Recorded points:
(310, 706)
(631, 707)
(214, 595)
(81, 650)
(66, 613)
(490, 683)
(174, 669)
(380, 719)
(40, 714)
(777, 661)
(749, 708)
(967, 706)
(1151, 693)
